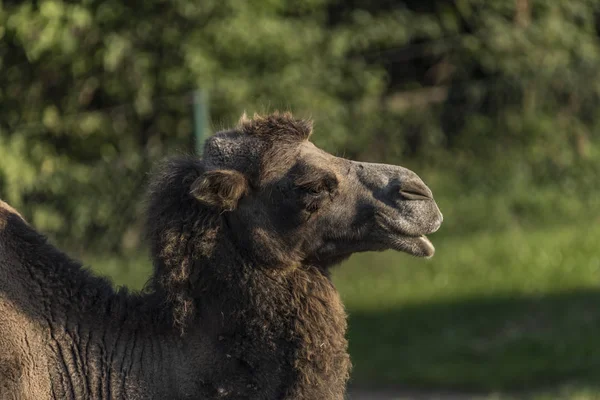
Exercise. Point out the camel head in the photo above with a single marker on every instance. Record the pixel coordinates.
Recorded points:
(287, 202)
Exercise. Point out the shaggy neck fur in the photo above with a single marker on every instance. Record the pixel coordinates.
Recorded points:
(276, 332)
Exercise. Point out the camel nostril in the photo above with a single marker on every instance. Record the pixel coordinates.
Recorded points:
(415, 190)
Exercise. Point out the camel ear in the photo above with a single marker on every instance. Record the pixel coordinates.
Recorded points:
(220, 188)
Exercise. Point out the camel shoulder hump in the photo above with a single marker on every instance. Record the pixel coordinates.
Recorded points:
(8, 213)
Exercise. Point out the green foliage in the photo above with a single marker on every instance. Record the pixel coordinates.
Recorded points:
(487, 99)
(93, 93)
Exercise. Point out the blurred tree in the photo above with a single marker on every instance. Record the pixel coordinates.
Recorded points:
(92, 92)
(509, 81)
(535, 64)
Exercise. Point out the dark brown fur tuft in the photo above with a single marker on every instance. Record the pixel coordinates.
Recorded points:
(176, 238)
(278, 125)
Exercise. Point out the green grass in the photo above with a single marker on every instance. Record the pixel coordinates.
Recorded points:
(509, 311)
(567, 392)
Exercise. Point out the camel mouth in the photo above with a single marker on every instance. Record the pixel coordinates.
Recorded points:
(401, 236)
(418, 246)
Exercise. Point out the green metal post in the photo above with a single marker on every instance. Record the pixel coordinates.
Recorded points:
(201, 119)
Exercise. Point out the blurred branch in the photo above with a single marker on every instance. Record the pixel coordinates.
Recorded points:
(522, 13)
(401, 101)
(413, 51)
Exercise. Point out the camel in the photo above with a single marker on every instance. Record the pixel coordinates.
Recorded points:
(240, 304)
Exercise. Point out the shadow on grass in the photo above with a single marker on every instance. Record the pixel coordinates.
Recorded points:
(481, 344)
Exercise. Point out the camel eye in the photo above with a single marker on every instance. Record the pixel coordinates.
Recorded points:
(314, 191)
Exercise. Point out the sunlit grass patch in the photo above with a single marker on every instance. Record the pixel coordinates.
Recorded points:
(516, 309)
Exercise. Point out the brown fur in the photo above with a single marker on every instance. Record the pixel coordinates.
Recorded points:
(277, 125)
(240, 304)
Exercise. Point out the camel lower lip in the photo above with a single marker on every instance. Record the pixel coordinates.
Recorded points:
(419, 246)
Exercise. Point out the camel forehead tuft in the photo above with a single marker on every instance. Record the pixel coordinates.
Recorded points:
(276, 125)
(243, 147)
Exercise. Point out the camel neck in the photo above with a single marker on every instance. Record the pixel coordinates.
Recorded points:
(279, 331)
(265, 323)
